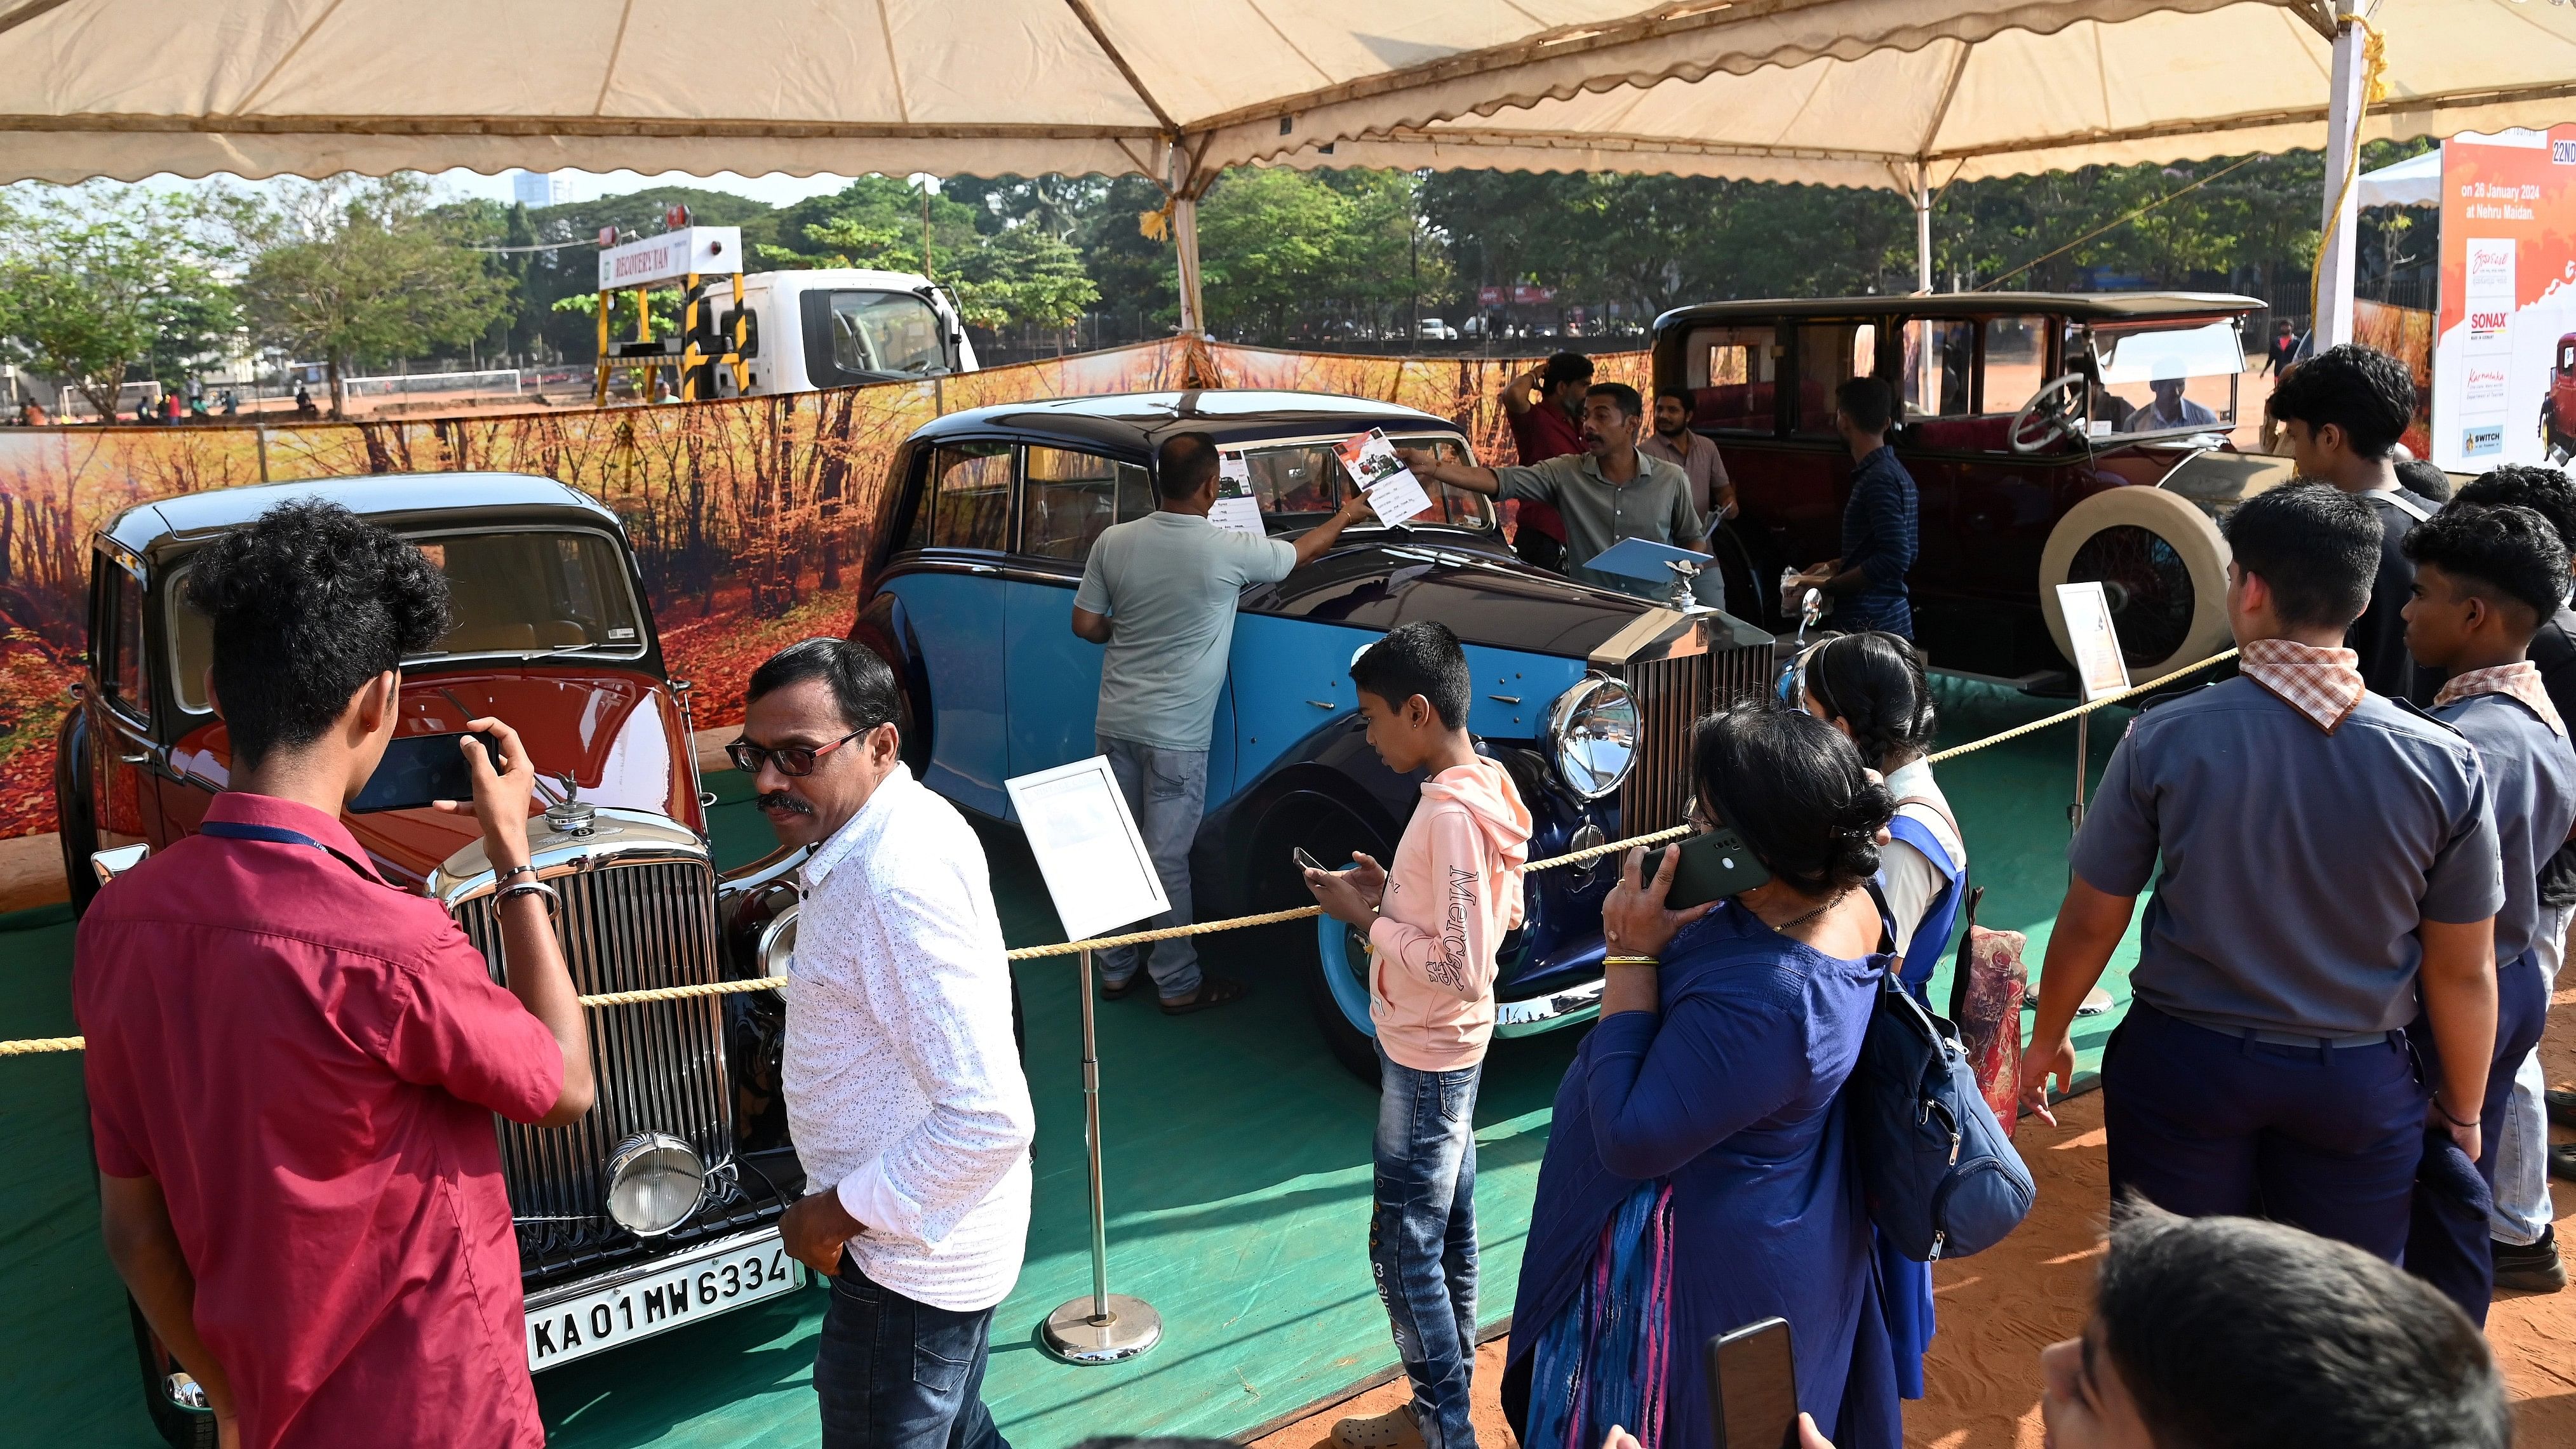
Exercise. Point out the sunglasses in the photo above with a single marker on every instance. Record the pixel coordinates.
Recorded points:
(791, 760)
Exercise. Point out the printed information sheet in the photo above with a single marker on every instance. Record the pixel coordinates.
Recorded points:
(1391, 487)
(1236, 507)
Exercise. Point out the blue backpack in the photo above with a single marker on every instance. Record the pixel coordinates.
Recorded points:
(1937, 1173)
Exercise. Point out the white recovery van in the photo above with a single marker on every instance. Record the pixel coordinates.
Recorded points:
(832, 327)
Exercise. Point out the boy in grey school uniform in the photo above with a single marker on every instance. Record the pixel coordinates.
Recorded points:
(1160, 593)
(2326, 867)
(2485, 579)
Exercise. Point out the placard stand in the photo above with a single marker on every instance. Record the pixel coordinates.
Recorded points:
(1098, 872)
(1104, 1327)
(2101, 670)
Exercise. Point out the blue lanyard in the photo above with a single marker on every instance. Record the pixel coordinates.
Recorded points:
(277, 835)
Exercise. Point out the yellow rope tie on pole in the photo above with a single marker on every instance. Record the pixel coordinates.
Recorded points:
(40, 1045)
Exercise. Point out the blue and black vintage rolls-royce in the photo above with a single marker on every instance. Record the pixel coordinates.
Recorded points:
(1585, 695)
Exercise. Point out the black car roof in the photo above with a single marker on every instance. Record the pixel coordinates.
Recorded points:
(1138, 422)
(387, 497)
(2082, 306)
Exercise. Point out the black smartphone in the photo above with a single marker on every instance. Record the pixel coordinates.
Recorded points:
(1714, 865)
(1753, 1387)
(417, 769)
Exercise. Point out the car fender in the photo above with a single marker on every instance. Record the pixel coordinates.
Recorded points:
(885, 628)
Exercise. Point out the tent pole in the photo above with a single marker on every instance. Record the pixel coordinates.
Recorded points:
(1922, 227)
(2333, 322)
(1185, 233)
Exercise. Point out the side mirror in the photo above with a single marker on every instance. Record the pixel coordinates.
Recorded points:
(109, 864)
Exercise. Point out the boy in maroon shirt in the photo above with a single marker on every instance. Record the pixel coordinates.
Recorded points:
(292, 1065)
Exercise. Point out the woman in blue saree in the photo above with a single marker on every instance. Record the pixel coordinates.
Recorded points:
(1698, 1174)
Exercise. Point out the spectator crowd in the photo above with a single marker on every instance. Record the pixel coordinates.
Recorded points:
(2325, 1118)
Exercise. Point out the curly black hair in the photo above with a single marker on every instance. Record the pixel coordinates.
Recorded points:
(2545, 491)
(1875, 683)
(1794, 789)
(2362, 390)
(2507, 551)
(309, 602)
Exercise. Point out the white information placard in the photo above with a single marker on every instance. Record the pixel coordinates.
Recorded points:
(1094, 862)
(2100, 668)
(1236, 507)
(1391, 487)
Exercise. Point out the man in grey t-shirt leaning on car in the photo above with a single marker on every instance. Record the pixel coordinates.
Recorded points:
(1160, 592)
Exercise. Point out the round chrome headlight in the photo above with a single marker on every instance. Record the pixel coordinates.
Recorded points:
(654, 1182)
(775, 949)
(1592, 734)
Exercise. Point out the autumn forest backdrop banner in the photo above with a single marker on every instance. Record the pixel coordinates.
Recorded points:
(747, 515)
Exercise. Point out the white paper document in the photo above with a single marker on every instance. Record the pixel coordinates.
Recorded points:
(1236, 508)
(1391, 487)
(1094, 862)
(2100, 667)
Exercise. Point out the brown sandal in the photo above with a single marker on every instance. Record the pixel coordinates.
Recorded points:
(1213, 991)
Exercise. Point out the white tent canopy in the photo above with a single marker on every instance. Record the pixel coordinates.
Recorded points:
(1910, 94)
(2415, 181)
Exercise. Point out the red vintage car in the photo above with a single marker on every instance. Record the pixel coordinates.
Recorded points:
(658, 1208)
(2052, 437)
(2558, 407)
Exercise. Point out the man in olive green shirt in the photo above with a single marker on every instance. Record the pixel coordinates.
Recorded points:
(1610, 491)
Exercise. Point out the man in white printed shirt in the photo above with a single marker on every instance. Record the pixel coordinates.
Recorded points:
(903, 1087)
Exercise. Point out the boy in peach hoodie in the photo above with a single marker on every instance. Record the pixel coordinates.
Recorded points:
(1434, 923)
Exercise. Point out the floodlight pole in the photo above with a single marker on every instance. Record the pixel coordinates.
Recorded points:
(2333, 322)
(1100, 1327)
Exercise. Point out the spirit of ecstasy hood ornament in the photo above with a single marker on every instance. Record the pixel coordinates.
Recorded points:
(571, 815)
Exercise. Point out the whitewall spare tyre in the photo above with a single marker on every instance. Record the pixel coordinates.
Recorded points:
(2162, 563)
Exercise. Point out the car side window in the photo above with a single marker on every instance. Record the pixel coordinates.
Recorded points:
(972, 487)
(1829, 355)
(1732, 374)
(127, 685)
(2014, 362)
(1940, 362)
(1070, 497)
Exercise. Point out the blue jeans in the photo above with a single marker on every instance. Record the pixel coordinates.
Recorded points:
(893, 1373)
(2521, 1156)
(1166, 791)
(1422, 1237)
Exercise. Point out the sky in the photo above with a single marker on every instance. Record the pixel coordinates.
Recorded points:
(777, 188)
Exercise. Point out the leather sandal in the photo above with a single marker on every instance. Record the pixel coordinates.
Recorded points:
(1213, 991)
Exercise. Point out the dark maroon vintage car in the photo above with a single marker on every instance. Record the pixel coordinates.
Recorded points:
(2053, 438)
(659, 1207)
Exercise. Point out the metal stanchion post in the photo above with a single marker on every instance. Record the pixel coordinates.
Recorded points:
(1100, 1327)
(2083, 769)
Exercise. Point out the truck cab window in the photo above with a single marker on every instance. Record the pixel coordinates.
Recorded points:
(972, 484)
(1070, 497)
(886, 332)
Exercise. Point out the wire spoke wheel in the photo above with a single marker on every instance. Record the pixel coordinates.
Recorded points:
(2148, 585)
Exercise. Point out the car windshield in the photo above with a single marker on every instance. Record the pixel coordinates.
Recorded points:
(1298, 484)
(2166, 379)
(893, 332)
(516, 594)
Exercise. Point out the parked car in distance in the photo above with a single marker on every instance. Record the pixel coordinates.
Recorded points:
(2053, 438)
(1432, 329)
(1585, 696)
(659, 1207)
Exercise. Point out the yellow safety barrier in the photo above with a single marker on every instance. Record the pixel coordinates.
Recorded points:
(1270, 918)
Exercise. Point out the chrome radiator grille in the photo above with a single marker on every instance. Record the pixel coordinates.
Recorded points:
(659, 1067)
(1672, 694)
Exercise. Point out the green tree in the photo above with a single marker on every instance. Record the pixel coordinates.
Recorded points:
(1026, 275)
(349, 270)
(98, 279)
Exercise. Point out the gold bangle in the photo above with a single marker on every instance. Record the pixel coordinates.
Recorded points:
(1629, 961)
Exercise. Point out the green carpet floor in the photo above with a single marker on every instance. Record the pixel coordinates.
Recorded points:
(1237, 1160)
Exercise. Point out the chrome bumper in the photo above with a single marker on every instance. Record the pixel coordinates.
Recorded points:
(1568, 1007)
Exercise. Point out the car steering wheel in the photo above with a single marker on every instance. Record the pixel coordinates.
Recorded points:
(2051, 412)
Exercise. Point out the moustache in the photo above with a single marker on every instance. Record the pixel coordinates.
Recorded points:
(781, 800)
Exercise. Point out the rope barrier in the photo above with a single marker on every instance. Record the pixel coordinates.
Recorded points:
(40, 1045)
